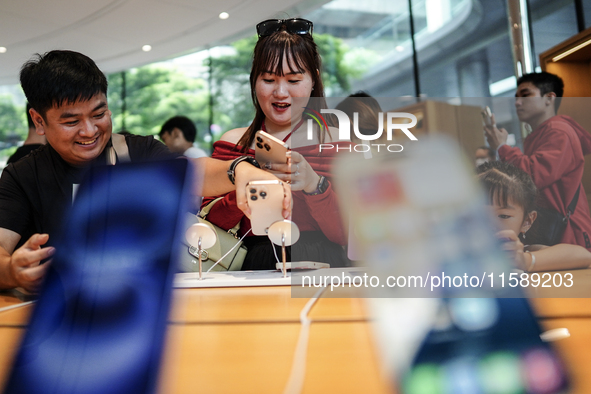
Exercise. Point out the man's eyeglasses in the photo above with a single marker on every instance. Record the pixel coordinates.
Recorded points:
(293, 26)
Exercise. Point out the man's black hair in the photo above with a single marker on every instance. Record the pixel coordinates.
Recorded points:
(59, 77)
(359, 93)
(29, 119)
(184, 124)
(547, 83)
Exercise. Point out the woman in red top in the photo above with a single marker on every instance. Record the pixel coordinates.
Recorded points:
(285, 74)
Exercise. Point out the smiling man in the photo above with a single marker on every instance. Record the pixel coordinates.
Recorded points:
(68, 96)
(553, 153)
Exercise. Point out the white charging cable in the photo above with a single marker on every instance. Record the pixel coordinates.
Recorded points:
(295, 383)
(275, 251)
(229, 251)
(7, 308)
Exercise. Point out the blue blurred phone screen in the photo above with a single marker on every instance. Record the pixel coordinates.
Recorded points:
(486, 345)
(99, 323)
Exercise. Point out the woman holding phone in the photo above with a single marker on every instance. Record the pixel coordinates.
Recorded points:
(285, 75)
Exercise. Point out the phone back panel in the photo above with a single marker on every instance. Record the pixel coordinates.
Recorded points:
(99, 323)
(269, 149)
(265, 199)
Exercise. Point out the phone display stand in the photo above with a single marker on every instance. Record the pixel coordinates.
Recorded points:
(284, 233)
(201, 236)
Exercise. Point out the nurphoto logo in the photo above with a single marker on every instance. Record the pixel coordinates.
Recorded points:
(392, 123)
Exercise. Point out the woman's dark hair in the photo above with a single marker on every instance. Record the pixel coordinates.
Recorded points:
(302, 56)
(59, 77)
(503, 181)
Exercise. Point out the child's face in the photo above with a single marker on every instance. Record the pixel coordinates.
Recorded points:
(511, 217)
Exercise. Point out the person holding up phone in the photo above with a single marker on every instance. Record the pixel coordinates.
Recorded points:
(286, 66)
(553, 153)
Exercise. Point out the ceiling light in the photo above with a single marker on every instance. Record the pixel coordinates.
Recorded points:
(147, 48)
(224, 15)
(399, 48)
(2, 49)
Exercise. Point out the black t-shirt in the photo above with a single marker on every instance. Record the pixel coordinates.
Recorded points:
(36, 191)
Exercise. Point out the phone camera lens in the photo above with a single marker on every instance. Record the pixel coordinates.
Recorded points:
(263, 194)
(253, 191)
(254, 197)
(259, 146)
(259, 139)
(267, 147)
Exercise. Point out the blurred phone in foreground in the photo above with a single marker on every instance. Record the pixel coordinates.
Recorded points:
(420, 211)
(419, 215)
(99, 323)
(485, 345)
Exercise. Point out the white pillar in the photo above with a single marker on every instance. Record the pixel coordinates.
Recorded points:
(520, 37)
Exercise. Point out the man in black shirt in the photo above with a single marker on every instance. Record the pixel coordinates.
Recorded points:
(68, 97)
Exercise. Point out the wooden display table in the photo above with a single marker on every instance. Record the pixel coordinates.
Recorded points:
(243, 339)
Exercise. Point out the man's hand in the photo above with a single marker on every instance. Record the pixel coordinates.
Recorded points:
(244, 173)
(495, 136)
(25, 270)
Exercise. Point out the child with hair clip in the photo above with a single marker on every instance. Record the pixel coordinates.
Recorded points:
(512, 194)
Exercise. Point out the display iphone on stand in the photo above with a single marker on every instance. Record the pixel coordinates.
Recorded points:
(265, 199)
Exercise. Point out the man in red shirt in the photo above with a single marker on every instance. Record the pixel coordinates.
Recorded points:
(553, 153)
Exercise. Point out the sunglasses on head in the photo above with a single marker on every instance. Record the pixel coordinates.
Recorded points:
(293, 26)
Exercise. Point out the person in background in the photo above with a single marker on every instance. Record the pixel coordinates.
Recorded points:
(285, 78)
(484, 154)
(512, 194)
(553, 154)
(179, 133)
(368, 110)
(32, 142)
(36, 191)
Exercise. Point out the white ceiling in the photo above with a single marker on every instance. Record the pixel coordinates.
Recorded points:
(112, 32)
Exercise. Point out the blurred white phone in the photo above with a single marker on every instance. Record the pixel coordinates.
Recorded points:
(487, 116)
(265, 199)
